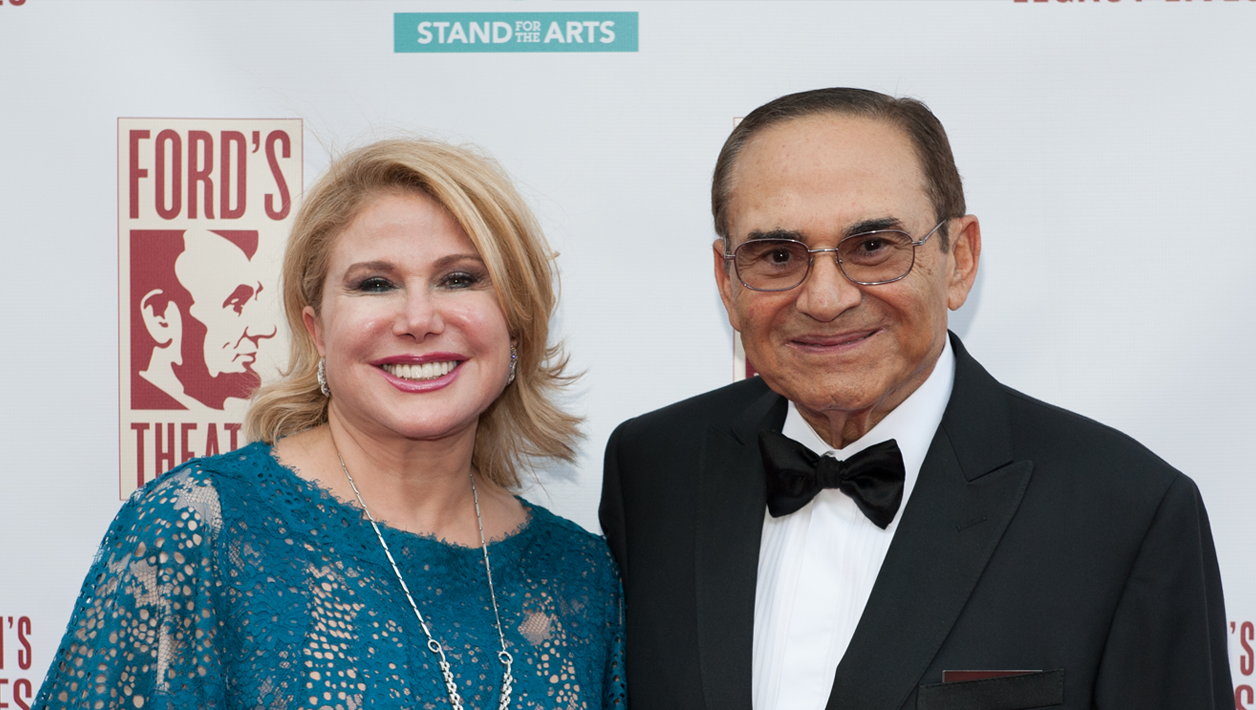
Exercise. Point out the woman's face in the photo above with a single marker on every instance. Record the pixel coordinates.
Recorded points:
(415, 341)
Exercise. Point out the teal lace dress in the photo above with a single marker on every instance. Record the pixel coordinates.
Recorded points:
(231, 582)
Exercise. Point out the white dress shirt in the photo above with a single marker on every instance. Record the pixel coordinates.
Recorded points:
(817, 565)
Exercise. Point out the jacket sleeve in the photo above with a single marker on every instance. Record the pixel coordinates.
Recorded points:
(1167, 647)
(611, 509)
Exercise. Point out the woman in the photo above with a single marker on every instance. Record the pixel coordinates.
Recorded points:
(366, 551)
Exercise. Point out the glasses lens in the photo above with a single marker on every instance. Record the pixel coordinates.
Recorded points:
(876, 257)
(771, 264)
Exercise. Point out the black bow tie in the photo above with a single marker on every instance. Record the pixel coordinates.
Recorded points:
(873, 477)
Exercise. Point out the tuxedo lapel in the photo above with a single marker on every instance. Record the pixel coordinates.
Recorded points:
(732, 497)
(967, 492)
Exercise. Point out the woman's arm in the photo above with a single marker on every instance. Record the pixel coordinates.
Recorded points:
(143, 630)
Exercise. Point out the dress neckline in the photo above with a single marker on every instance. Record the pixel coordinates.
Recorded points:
(319, 494)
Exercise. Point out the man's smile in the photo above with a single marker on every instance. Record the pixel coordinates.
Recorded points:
(827, 343)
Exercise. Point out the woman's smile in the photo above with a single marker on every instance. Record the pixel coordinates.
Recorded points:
(424, 371)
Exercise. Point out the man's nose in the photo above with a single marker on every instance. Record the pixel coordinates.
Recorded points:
(827, 293)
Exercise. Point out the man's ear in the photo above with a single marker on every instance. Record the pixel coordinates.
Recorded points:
(964, 258)
(166, 327)
(314, 326)
(724, 281)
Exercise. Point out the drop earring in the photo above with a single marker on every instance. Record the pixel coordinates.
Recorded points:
(322, 377)
(514, 363)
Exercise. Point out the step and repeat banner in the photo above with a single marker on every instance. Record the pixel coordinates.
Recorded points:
(151, 154)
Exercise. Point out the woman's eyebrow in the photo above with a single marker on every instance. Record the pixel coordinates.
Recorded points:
(455, 258)
(370, 266)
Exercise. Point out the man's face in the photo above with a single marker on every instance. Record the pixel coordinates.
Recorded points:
(225, 291)
(829, 345)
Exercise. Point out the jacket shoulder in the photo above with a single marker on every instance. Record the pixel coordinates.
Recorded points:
(720, 407)
(1098, 456)
(1042, 420)
(986, 415)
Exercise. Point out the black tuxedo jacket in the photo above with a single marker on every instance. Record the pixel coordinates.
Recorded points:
(1035, 539)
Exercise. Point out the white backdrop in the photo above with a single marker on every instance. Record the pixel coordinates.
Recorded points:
(1107, 147)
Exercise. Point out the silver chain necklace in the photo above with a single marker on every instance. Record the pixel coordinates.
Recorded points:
(455, 700)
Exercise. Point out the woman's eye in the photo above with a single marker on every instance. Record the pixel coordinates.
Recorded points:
(461, 279)
(375, 284)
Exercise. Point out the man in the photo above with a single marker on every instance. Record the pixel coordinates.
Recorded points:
(969, 527)
(197, 294)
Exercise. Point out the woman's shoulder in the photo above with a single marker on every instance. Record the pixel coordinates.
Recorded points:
(251, 466)
(246, 462)
(175, 519)
(197, 487)
(569, 540)
(564, 562)
(558, 526)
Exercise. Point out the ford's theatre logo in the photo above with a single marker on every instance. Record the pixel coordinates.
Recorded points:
(204, 210)
(515, 32)
(202, 327)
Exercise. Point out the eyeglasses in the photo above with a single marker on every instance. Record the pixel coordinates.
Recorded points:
(868, 259)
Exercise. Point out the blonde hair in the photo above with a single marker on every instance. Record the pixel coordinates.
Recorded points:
(524, 423)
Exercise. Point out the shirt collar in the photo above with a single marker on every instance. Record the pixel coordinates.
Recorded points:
(912, 423)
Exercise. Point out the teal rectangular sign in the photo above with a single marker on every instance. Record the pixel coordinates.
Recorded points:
(515, 32)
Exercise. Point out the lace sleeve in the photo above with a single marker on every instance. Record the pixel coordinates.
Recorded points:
(143, 629)
(614, 687)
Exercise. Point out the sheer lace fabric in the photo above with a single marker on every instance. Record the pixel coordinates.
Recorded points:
(231, 582)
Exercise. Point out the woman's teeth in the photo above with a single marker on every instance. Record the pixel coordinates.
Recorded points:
(426, 371)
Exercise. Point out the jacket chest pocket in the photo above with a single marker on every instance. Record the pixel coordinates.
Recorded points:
(1043, 689)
